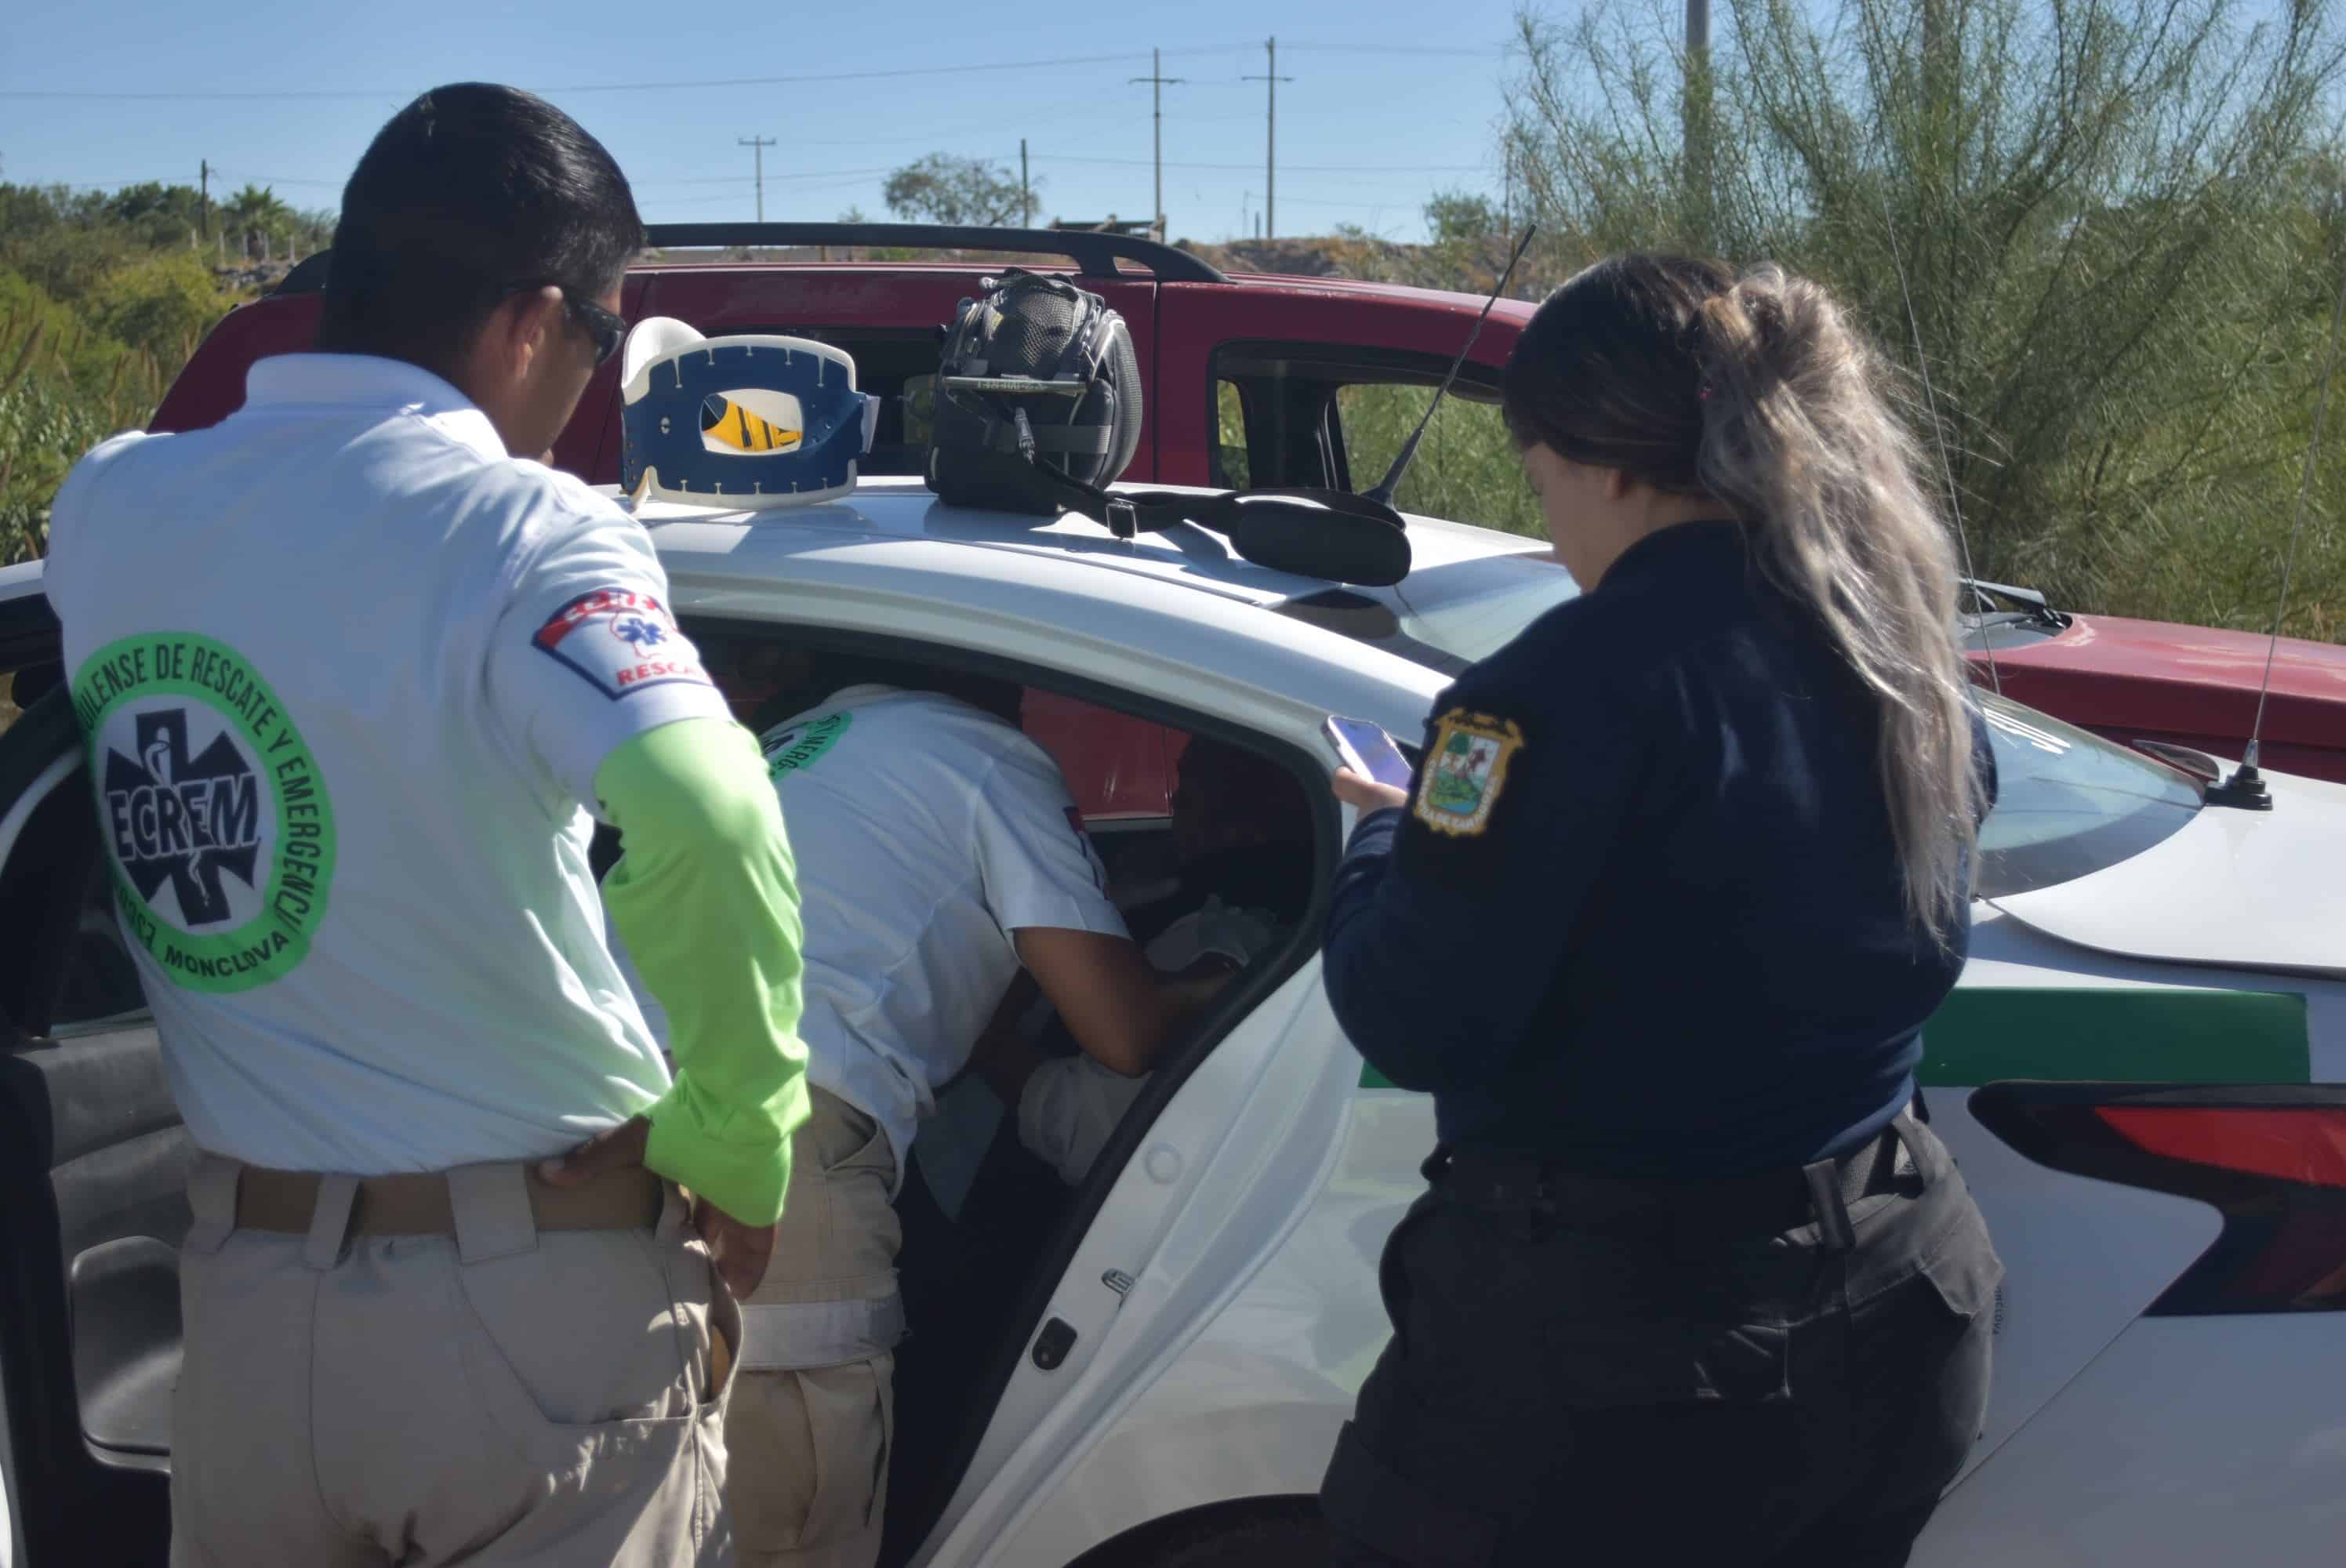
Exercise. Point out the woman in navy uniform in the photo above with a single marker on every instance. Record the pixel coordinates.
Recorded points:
(1685, 868)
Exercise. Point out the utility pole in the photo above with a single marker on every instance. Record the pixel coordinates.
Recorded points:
(1695, 112)
(204, 200)
(759, 143)
(1026, 192)
(1271, 145)
(1508, 203)
(1157, 82)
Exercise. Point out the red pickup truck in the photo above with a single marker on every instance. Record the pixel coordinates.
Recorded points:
(1250, 380)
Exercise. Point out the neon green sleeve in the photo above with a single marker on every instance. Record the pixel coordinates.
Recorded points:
(706, 898)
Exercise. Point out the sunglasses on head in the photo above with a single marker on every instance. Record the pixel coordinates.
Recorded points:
(608, 329)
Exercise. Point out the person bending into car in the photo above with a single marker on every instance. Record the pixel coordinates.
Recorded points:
(1242, 835)
(938, 852)
(1685, 868)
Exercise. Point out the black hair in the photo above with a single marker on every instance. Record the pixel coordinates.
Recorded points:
(469, 190)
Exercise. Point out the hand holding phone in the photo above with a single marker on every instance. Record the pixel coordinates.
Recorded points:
(1369, 751)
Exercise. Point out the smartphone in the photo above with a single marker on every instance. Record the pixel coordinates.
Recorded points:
(1369, 751)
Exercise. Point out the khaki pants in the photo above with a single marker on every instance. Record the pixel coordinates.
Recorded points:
(501, 1396)
(810, 1427)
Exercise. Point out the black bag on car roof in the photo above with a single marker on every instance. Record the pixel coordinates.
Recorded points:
(1037, 399)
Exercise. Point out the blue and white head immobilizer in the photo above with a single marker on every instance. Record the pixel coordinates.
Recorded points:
(738, 422)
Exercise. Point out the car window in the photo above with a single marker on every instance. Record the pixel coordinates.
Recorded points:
(1465, 469)
(2069, 803)
(100, 986)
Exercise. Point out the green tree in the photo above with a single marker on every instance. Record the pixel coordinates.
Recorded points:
(65, 385)
(1457, 216)
(943, 188)
(161, 304)
(2091, 222)
(158, 215)
(257, 219)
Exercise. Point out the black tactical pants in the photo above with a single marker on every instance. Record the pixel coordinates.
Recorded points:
(1782, 1370)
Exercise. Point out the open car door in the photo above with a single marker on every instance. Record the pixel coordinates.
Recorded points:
(93, 1166)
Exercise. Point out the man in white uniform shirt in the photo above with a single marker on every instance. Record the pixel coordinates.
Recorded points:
(938, 852)
(1241, 834)
(354, 668)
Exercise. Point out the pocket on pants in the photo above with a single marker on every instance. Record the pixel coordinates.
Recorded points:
(1964, 1273)
(1606, 1366)
(588, 1331)
(808, 1450)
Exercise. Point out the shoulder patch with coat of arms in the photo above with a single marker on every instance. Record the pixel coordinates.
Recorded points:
(1464, 771)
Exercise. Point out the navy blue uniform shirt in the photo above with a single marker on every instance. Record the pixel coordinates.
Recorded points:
(1644, 913)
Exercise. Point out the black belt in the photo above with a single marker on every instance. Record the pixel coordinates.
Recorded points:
(1516, 1181)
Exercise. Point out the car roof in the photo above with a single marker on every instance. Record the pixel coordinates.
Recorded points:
(904, 509)
(1065, 593)
(1170, 610)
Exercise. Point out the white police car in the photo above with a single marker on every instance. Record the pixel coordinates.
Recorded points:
(2143, 1072)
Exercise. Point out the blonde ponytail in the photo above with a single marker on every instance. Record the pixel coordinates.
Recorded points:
(1800, 439)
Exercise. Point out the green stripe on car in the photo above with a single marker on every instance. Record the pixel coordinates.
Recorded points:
(2105, 1034)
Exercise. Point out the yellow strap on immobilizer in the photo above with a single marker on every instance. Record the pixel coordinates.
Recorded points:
(739, 428)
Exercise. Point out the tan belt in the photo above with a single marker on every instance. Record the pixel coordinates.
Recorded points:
(418, 1204)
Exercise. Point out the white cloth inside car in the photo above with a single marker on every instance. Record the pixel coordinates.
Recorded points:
(1071, 1105)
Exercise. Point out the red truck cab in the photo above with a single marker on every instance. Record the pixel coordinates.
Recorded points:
(1250, 380)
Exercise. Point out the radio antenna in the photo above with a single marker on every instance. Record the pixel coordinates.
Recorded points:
(2246, 788)
(1384, 494)
(1939, 435)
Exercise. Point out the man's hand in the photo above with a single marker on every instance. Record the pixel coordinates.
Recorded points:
(739, 1252)
(1366, 794)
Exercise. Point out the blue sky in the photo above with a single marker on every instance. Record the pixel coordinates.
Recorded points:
(1393, 99)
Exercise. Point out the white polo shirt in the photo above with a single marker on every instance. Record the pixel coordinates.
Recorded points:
(347, 671)
(926, 830)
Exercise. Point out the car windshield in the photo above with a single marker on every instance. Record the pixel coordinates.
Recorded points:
(2068, 802)
(1445, 616)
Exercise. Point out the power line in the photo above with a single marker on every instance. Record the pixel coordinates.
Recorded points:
(93, 185)
(801, 79)
(1292, 168)
(632, 184)
(273, 178)
(662, 203)
(1479, 53)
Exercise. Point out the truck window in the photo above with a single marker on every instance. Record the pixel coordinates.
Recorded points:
(1336, 416)
(1466, 469)
(1231, 466)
